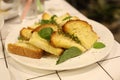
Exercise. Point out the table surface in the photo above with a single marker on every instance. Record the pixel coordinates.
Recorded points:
(106, 69)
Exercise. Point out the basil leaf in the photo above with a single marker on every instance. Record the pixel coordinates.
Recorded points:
(44, 21)
(46, 33)
(98, 45)
(67, 18)
(69, 53)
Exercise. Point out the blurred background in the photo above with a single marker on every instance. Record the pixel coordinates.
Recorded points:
(106, 12)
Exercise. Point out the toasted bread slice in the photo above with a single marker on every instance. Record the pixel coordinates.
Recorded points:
(53, 26)
(60, 20)
(34, 26)
(64, 18)
(62, 41)
(39, 42)
(26, 33)
(46, 16)
(83, 31)
(25, 49)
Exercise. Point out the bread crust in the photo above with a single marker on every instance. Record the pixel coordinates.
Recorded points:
(39, 42)
(83, 31)
(25, 51)
(62, 41)
(26, 33)
(53, 26)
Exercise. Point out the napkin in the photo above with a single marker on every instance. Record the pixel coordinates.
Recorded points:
(8, 10)
(5, 6)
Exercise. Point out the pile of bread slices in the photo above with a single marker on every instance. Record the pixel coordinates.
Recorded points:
(68, 31)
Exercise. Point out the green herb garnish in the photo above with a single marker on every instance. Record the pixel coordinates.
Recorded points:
(44, 22)
(20, 38)
(51, 20)
(98, 45)
(46, 33)
(67, 18)
(73, 37)
(69, 53)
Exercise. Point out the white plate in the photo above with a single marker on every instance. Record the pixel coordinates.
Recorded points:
(49, 63)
